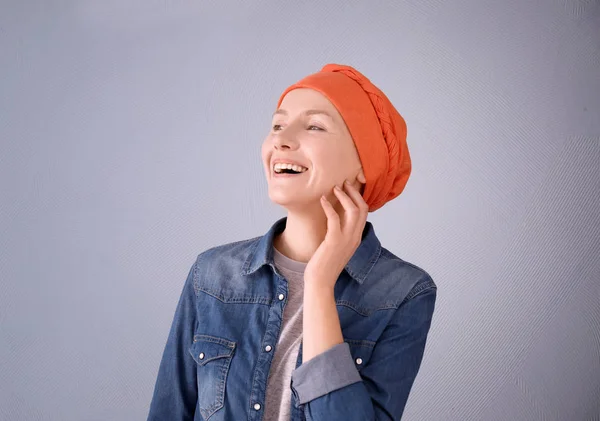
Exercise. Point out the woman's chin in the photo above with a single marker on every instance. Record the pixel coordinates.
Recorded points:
(292, 202)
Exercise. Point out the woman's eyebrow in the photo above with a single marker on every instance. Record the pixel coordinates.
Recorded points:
(307, 112)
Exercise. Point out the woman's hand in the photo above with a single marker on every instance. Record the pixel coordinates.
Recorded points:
(343, 237)
(321, 324)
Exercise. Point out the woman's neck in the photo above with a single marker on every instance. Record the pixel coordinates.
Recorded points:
(302, 236)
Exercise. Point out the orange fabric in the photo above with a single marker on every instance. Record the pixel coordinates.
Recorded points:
(378, 130)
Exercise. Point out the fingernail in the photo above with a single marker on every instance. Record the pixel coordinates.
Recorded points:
(347, 182)
(337, 187)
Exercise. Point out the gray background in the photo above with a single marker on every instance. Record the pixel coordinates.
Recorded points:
(130, 142)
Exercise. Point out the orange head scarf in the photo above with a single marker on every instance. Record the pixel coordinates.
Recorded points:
(376, 127)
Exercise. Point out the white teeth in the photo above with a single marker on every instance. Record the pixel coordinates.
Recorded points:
(283, 166)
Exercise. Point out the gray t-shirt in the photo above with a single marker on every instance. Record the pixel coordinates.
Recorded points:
(279, 393)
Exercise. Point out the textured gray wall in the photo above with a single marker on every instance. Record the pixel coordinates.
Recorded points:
(130, 142)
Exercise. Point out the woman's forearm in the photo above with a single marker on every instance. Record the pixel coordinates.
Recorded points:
(321, 324)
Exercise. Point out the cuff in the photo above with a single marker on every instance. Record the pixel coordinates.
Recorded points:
(329, 371)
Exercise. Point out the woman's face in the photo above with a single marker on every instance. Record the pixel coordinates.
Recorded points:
(309, 131)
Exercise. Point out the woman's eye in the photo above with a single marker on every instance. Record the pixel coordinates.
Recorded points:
(277, 127)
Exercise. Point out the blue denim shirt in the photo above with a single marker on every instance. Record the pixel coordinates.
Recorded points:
(216, 361)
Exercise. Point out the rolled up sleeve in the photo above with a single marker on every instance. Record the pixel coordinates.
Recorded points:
(330, 388)
(325, 373)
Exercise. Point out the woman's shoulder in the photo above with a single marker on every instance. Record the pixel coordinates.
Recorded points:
(410, 273)
(234, 249)
(222, 266)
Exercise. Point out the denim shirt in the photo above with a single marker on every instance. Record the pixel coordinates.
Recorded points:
(227, 322)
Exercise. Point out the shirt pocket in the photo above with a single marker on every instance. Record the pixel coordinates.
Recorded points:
(361, 352)
(213, 356)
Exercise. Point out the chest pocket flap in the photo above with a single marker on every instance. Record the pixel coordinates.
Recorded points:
(209, 348)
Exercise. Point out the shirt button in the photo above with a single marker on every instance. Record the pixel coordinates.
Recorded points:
(268, 348)
(359, 361)
(257, 406)
(281, 297)
(201, 356)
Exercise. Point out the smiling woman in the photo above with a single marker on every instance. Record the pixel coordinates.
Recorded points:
(316, 139)
(315, 319)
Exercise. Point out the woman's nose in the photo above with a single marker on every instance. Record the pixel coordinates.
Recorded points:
(282, 144)
(285, 140)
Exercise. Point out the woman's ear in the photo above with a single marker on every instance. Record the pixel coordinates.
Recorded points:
(361, 176)
(361, 179)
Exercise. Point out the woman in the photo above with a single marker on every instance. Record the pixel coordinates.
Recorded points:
(315, 319)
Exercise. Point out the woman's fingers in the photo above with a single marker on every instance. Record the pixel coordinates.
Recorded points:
(357, 198)
(355, 210)
(350, 208)
(333, 219)
(360, 204)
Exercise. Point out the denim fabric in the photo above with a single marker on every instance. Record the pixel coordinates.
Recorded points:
(216, 361)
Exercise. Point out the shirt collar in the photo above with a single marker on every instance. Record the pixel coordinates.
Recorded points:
(359, 266)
